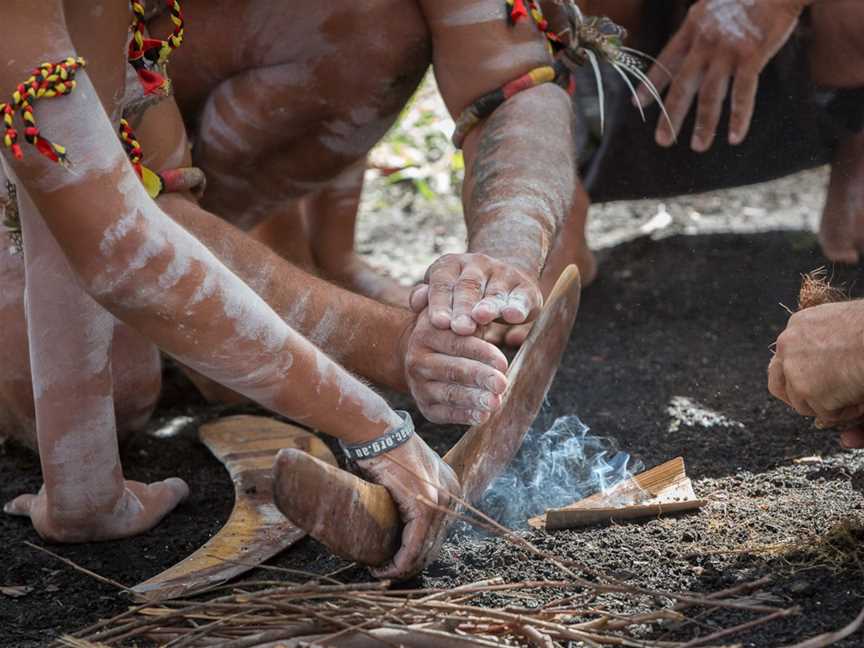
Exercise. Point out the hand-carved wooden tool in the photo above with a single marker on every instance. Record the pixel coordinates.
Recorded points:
(359, 520)
(256, 530)
(663, 489)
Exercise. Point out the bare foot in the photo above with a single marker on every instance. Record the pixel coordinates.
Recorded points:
(357, 275)
(841, 232)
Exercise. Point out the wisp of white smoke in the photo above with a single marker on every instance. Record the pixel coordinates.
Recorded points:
(554, 468)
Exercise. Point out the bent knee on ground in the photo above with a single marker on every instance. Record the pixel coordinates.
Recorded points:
(137, 374)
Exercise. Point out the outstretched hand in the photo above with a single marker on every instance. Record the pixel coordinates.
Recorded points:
(721, 42)
(467, 291)
(818, 367)
(139, 508)
(415, 474)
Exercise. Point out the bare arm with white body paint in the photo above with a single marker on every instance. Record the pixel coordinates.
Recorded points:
(454, 379)
(520, 170)
(147, 270)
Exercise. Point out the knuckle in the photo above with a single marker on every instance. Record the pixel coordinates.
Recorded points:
(708, 100)
(472, 283)
(412, 370)
(452, 393)
(453, 373)
(438, 286)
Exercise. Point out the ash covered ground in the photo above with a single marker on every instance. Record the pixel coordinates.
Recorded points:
(668, 358)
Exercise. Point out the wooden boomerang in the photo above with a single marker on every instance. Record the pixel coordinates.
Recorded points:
(359, 521)
(256, 530)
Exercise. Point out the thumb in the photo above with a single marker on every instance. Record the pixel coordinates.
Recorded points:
(419, 298)
(21, 505)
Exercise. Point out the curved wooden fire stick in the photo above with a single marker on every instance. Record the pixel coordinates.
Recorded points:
(358, 520)
(256, 530)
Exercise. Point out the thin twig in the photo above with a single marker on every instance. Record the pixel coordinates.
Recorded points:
(83, 570)
(828, 638)
(700, 641)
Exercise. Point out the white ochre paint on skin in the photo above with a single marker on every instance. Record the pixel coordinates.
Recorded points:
(352, 390)
(264, 372)
(474, 14)
(89, 154)
(78, 464)
(731, 18)
(149, 263)
(67, 316)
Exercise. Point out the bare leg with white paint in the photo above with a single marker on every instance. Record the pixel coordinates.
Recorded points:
(136, 373)
(333, 212)
(85, 496)
(285, 230)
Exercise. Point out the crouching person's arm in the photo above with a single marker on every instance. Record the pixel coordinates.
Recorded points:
(148, 271)
(520, 173)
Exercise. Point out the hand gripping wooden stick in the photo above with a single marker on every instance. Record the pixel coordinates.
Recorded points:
(358, 520)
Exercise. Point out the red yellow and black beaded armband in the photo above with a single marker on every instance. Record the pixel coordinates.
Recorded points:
(47, 81)
(587, 40)
(149, 56)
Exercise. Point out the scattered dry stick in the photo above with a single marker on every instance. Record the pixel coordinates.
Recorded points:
(367, 614)
(829, 638)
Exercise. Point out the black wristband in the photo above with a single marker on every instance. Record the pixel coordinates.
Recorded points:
(392, 438)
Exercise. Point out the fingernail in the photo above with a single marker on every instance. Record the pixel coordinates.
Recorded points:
(491, 384)
(735, 137)
(662, 138)
(697, 144)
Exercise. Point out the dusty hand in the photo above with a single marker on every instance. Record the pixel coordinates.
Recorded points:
(410, 472)
(720, 40)
(453, 378)
(464, 291)
(819, 365)
(139, 508)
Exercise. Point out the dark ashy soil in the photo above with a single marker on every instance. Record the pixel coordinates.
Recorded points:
(688, 317)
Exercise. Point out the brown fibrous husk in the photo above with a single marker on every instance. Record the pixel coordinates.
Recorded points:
(816, 290)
